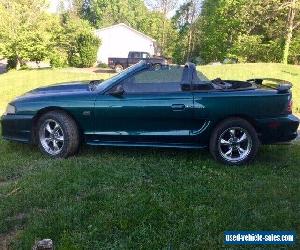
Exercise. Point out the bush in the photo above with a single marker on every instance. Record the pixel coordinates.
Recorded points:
(75, 60)
(58, 59)
(294, 56)
(89, 45)
(103, 65)
(85, 53)
(11, 62)
(252, 48)
(24, 67)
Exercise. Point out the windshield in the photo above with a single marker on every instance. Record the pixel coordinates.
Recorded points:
(201, 76)
(103, 85)
(173, 71)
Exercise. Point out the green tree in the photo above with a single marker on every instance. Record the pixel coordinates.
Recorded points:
(85, 51)
(252, 48)
(164, 7)
(102, 13)
(151, 25)
(185, 21)
(77, 38)
(294, 53)
(219, 24)
(293, 7)
(22, 32)
(227, 28)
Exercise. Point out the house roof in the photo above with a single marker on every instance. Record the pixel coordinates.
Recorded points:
(128, 27)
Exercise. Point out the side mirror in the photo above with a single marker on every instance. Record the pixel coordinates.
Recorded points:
(118, 91)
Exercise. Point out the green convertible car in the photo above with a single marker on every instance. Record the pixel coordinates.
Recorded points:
(170, 106)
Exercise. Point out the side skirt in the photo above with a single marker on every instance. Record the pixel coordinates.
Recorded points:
(145, 144)
(15, 139)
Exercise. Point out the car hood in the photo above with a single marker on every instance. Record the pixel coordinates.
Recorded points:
(61, 88)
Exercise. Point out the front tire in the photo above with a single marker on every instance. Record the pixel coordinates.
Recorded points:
(58, 135)
(234, 142)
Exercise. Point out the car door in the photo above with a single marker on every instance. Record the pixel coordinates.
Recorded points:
(155, 108)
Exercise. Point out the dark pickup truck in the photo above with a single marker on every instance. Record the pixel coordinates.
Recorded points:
(118, 64)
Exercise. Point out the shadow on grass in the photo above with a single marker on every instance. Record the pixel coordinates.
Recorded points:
(270, 155)
(103, 71)
(290, 73)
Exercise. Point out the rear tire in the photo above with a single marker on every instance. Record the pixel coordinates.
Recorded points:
(157, 66)
(58, 135)
(119, 68)
(234, 142)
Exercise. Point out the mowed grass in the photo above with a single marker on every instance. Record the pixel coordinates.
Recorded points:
(144, 199)
(123, 198)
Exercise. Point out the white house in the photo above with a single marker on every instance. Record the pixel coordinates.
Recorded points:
(119, 39)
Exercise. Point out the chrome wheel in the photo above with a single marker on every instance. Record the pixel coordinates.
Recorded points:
(51, 137)
(234, 144)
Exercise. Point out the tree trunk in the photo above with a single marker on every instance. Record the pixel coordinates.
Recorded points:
(18, 65)
(163, 34)
(189, 44)
(164, 12)
(289, 33)
(191, 19)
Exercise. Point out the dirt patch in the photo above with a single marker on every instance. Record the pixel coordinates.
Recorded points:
(7, 239)
(4, 183)
(108, 71)
(13, 178)
(94, 70)
(18, 218)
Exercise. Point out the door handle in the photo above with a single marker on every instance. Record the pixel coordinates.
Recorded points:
(178, 107)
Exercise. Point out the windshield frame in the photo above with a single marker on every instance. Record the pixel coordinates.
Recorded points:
(110, 82)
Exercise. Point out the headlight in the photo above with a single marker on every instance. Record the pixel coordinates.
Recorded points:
(10, 109)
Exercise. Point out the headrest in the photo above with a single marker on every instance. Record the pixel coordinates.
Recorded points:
(189, 73)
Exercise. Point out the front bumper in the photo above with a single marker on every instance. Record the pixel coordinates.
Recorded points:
(280, 129)
(17, 127)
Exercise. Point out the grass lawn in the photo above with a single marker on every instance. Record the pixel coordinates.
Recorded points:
(143, 198)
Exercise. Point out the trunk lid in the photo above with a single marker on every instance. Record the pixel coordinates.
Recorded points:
(282, 86)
